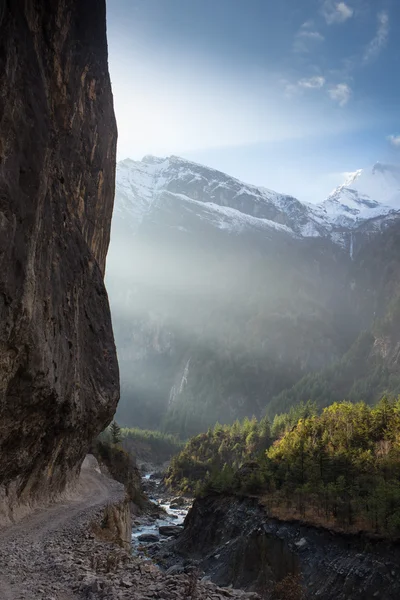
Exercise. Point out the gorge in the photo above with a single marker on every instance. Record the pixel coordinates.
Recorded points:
(228, 300)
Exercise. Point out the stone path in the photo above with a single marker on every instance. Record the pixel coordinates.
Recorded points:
(53, 554)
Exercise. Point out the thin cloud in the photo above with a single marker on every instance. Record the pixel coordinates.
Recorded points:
(340, 93)
(336, 12)
(377, 44)
(306, 37)
(394, 140)
(312, 35)
(308, 24)
(306, 83)
(312, 83)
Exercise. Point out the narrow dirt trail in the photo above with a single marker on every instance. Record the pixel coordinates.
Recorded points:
(28, 549)
(53, 555)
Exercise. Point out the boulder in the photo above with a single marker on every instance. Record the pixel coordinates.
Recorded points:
(301, 544)
(148, 537)
(179, 501)
(170, 530)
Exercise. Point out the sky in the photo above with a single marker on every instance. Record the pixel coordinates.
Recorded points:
(287, 94)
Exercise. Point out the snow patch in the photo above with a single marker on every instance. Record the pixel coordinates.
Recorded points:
(229, 218)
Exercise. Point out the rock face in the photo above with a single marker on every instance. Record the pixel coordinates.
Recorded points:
(59, 381)
(236, 543)
(122, 467)
(116, 524)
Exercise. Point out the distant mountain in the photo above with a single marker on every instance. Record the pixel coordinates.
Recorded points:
(366, 194)
(226, 202)
(142, 186)
(225, 294)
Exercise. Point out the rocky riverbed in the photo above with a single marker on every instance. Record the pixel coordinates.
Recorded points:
(161, 520)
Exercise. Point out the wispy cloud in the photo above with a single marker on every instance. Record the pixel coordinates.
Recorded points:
(312, 83)
(306, 83)
(336, 12)
(376, 45)
(340, 93)
(394, 140)
(312, 35)
(306, 37)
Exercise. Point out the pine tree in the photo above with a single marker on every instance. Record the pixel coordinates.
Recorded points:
(115, 431)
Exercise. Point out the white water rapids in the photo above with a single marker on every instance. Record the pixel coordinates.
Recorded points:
(149, 525)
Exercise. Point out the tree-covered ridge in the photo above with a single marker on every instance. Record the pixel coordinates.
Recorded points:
(340, 468)
(223, 448)
(148, 445)
(226, 448)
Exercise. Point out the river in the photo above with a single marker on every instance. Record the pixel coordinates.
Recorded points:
(146, 533)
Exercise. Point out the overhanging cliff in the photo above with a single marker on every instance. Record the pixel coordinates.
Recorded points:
(59, 381)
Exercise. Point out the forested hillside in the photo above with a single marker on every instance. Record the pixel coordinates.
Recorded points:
(340, 468)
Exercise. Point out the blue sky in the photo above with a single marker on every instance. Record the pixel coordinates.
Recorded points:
(289, 94)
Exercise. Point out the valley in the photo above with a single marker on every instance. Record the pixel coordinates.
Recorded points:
(246, 301)
(262, 334)
(234, 540)
(199, 376)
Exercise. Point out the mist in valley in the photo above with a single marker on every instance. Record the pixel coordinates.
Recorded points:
(230, 299)
(217, 316)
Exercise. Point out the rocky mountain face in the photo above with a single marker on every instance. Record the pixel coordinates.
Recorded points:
(225, 294)
(143, 186)
(59, 381)
(235, 543)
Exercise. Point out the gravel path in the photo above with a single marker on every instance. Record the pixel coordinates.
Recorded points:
(53, 555)
(31, 550)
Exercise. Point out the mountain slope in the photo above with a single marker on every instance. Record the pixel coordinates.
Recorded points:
(142, 186)
(225, 294)
(371, 367)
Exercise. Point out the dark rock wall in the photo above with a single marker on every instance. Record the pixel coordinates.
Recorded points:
(236, 543)
(59, 381)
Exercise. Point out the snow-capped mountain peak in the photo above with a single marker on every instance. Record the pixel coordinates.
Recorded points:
(156, 183)
(365, 194)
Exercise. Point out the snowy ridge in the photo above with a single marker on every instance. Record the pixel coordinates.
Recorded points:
(136, 185)
(227, 203)
(366, 194)
(225, 217)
